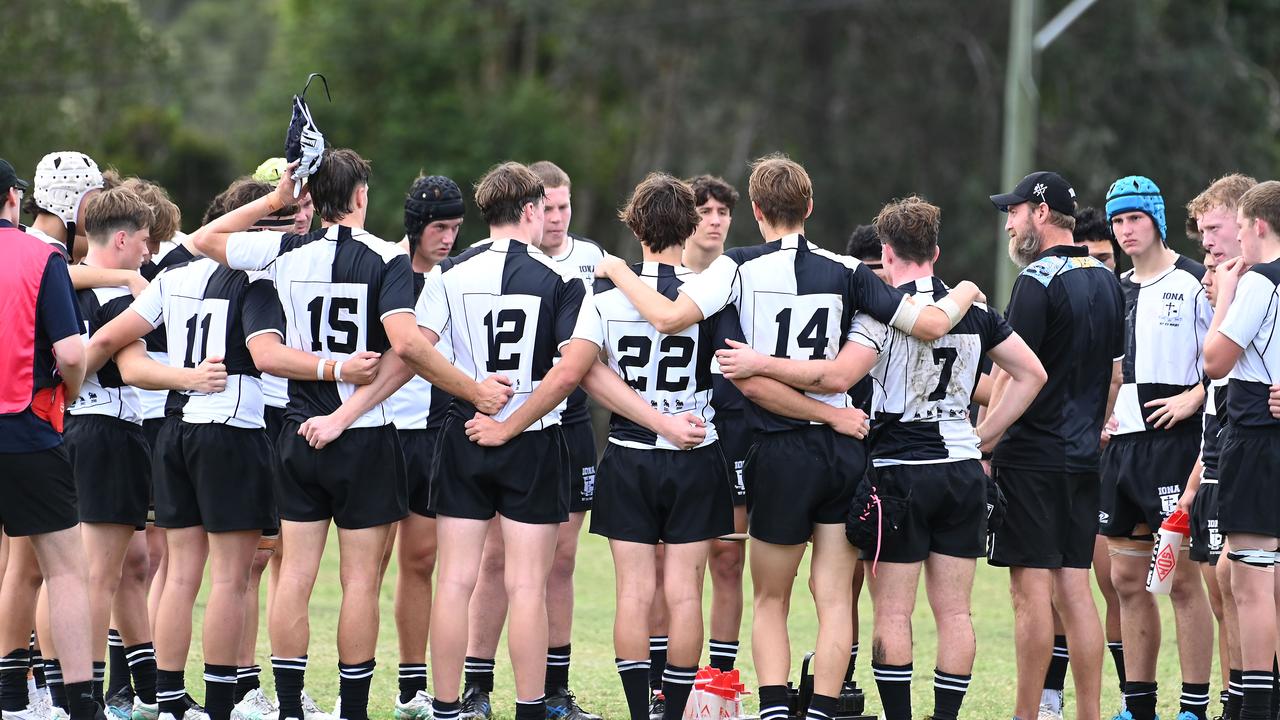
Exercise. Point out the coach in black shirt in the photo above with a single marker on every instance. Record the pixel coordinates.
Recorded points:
(1069, 309)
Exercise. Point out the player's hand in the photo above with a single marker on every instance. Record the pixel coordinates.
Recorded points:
(685, 431)
(740, 361)
(608, 264)
(285, 189)
(322, 430)
(1227, 276)
(1188, 497)
(361, 369)
(1172, 410)
(209, 377)
(1108, 429)
(137, 284)
(487, 432)
(850, 421)
(492, 394)
(1273, 403)
(978, 294)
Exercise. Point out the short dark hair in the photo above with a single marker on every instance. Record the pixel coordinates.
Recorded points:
(504, 191)
(113, 210)
(910, 226)
(661, 212)
(1092, 224)
(341, 173)
(241, 192)
(864, 243)
(706, 187)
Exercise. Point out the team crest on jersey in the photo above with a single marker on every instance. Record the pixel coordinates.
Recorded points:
(1171, 309)
(1046, 269)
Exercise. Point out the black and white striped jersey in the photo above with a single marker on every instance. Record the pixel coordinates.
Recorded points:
(104, 392)
(508, 310)
(671, 372)
(794, 300)
(202, 307)
(1251, 323)
(578, 260)
(1215, 422)
(921, 391)
(412, 405)
(336, 285)
(1166, 320)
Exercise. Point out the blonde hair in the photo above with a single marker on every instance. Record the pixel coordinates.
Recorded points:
(781, 188)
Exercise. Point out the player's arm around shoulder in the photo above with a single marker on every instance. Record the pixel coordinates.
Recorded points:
(668, 316)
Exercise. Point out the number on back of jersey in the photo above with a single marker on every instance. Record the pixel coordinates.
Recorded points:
(201, 332)
(800, 327)
(329, 318)
(503, 330)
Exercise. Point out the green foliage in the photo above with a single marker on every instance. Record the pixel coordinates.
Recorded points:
(877, 99)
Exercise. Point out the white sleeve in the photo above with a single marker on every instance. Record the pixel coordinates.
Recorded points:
(432, 309)
(590, 325)
(868, 332)
(252, 250)
(1248, 309)
(150, 302)
(715, 288)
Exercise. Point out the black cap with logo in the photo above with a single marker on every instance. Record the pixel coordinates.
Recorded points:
(9, 177)
(1045, 187)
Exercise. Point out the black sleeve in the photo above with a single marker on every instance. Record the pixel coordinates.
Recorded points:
(1029, 310)
(56, 302)
(727, 327)
(874, 296)
(261, 310)
(995, 330)
(569, 296)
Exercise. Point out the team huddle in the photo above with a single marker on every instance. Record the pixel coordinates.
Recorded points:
(231, 392)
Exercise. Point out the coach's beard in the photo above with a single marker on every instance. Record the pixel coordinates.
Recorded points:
(1024, 246)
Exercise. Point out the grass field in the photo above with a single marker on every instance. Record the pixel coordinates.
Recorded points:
(596, 684)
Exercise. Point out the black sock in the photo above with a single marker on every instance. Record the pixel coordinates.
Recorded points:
(1195, 699)
(171, 692)
(118, 664)
(657, 660)
(1055, 678)
(13, 680)
(558, 668)
(635, 685)
(853, 663)
(247, 680)
(773, 702)
(1117, 657)
(99, 679)
(1235, 693)
(531, 709)
(353, 688)
(723, 654)
(413, 677)
(677, 682)
(79, 700)
(290, 673)
(1256, 704)
(142, 669)
(57, 690)
(441, 710)
(894, 684)
(1140, 699)
(37, 664)
(948, 694)
(479, 672)
(220, 691)
(821, 707)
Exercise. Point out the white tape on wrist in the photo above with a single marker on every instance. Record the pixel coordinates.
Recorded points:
(337, 371)
(905, 319)
(320, 369)
(949, 306)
